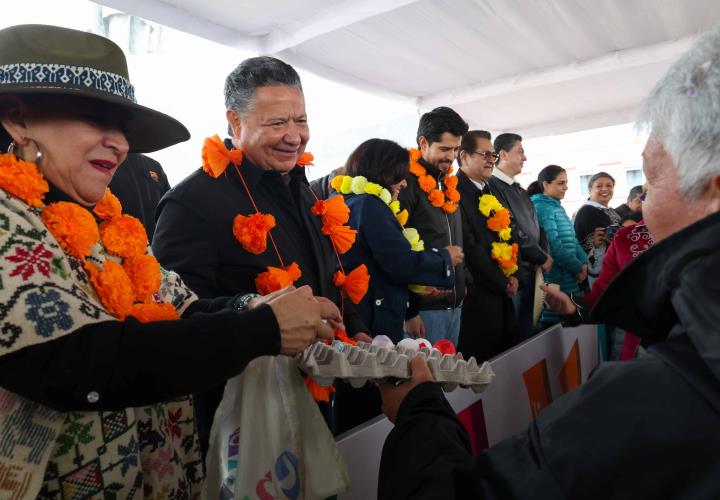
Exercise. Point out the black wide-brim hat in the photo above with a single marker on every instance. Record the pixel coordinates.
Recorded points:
(41, 59)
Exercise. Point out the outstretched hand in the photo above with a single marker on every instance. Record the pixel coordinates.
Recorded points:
(558, 301)
(393, 395)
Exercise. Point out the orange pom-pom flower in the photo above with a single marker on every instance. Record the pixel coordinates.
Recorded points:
(436, 198)
(112, 286)
(427, 183)
(318, 392)
(276, 278)
(23, 180)
(452, 194)
(73, 227)
(108, 207)
(144, 274)
(124, 236)
(354, 285)
(252, 231)
(334, 211)
(451, 181)
(500, 220)
(449, 207)
(216, 157)
(306, 159)
(342, 237)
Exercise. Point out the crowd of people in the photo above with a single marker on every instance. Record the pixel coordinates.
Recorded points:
(114, 300)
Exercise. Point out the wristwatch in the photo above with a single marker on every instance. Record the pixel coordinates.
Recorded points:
(241, 302)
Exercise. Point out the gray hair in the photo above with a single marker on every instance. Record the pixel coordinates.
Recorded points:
(683, 114)
(240, 85)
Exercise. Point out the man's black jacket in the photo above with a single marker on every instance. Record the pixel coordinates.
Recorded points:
(642, 429)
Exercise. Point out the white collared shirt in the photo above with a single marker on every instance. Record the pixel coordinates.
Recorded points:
(503, 176)
(479, 184)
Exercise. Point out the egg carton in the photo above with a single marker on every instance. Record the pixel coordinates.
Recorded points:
(362, 362)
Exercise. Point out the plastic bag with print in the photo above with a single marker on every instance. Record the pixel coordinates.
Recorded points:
(269, 440)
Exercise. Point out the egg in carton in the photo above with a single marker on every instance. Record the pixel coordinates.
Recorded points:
(362, 362)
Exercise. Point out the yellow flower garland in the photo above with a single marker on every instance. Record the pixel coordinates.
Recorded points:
(499, 222)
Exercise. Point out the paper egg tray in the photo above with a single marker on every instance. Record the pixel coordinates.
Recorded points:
(363, 362)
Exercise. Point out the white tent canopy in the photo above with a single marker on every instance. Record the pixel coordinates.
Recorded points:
(537, 67)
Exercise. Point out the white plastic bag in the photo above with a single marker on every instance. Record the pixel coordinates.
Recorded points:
(269, 440)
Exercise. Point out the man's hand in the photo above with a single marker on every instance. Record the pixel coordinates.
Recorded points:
(302, 318)
(512, 286)
(456, 254)
(393, 395)
(558, 301)
(582, 275)
(415, 328)
(547, 265)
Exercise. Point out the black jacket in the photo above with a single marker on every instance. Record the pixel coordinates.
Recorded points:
(488, 315)
(194, 234)
(139, 184)
(437, 229)
(642, 429)
(525, 224)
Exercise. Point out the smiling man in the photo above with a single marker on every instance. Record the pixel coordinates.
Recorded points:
(434, 214)
(195, 236)
(488, 314)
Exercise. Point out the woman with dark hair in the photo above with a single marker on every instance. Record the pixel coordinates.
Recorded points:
(99, 346)
(596, 223)
(394, 255)
(569, 258)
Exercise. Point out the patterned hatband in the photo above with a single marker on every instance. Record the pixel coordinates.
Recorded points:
(65, 76)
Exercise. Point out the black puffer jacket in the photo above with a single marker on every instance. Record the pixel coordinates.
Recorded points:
(437, 229)
(642, 429)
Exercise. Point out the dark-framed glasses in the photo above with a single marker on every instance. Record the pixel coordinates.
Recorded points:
(487, 154)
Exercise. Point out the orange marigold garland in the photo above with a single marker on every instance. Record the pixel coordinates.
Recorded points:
(276, 278)
(252, 231)
(498, 220)
(73, 227)
(124, 236)
(112, 286)
(23, 180)
(144, 274)
(108, 207)
(342, 237)
(447, 200)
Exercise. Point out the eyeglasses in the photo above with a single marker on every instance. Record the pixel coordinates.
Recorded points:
(487, 154)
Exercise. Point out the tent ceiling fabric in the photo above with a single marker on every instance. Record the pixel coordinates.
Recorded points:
(533, 66)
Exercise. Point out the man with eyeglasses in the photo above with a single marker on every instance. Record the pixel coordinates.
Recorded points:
(488, 314)
(526, 227)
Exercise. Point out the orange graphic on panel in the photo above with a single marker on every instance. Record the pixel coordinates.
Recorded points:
(570, 374)
(538, 387)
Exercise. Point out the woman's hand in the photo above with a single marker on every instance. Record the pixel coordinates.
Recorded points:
(302, 319)
(558, 301)
(599, 239)
(456, 254)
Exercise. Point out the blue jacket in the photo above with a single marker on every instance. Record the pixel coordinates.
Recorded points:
(567, 253)
(392, 265)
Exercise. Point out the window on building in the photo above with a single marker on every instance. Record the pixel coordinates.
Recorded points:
(634, 178)
(584, 190)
